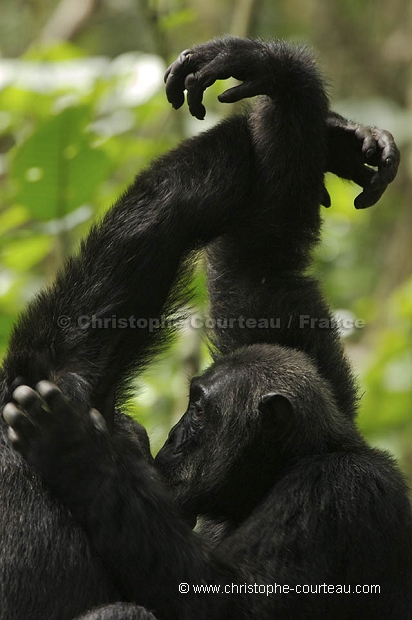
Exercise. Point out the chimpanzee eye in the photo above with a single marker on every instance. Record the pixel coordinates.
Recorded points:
(197, 413)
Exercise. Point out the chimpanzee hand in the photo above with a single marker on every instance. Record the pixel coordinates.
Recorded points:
(198, 68)
(58, 440)
(380, 150)
(353, 149)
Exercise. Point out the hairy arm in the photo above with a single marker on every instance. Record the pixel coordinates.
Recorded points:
(129, 266)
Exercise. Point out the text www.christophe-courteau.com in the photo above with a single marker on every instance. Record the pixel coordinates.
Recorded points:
(269, 589)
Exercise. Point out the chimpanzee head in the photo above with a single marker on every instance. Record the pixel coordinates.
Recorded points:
(250, 416)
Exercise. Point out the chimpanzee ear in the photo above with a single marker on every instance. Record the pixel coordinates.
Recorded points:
(277, 413)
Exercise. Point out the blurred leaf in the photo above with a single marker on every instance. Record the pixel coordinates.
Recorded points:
(23, 102)
(22, 254)
(403, 300)
(12, 217)
(56, 170)
(6, 324)
(63, 50)
(177, 19)
(342, 194)
(387, 402)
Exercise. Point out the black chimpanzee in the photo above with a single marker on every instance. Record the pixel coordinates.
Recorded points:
(267, 453)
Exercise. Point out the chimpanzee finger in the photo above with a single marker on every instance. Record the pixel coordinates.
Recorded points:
(195, 92)
(32, 404)
(18, 443)
(368, 198)
(198, 81)
(365, 135)
(369, 178)
(54, 399)
(390, 157)
(175, 77)
(17, 420)
(382, 177)
(237, 93)
(363, 176)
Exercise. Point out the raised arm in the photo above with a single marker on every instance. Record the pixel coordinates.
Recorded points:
(127, 270)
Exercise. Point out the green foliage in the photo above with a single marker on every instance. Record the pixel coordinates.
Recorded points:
(57, 169)
(387, 402)
(176, 19)
(349, 263)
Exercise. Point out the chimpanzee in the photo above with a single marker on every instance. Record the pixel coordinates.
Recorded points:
(268, 448)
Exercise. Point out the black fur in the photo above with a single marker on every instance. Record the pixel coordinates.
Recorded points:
(118, 611)
(255, 181)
